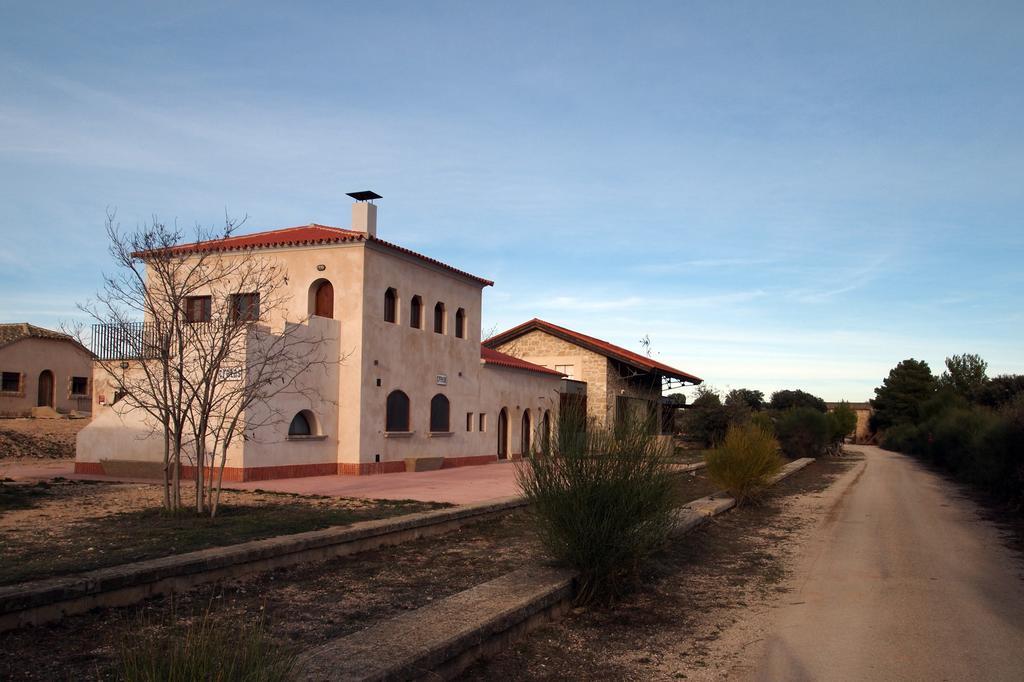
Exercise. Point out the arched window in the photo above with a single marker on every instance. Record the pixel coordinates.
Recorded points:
(460, 324)
(439, 318)
(391, 305)
(416, 313)
(321, 298)
(526, 433)
(397, 418)
(545, 433)
(302, 424)
(439, 422)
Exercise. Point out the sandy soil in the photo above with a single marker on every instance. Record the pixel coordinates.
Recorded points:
(28, 439)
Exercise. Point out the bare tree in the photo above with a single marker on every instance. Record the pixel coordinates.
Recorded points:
(242, 366)
(200, 361)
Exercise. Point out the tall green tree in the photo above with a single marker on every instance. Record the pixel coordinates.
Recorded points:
(1000, 390)
(753, 400)
(898, 400)
(786, 400)
(965, 375)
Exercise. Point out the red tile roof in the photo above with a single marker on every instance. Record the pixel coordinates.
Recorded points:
(493, 357)
(597, 345)
(11, 332)
(309, 235)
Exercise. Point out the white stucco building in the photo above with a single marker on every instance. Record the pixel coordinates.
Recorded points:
(413, 381)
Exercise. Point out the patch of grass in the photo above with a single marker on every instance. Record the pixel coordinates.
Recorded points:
(150, 533)
(203, 649)
(21, 495)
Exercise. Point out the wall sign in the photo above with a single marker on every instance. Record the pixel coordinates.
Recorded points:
(231, 373)
(442, 379)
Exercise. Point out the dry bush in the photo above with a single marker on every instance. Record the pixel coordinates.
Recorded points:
(745, 461)
(602, 501)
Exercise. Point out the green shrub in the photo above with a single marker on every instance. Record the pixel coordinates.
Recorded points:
(978, 445)
(203, 650)
(745, 461)
(602, 502)
(842, 421)
(803, 432)
(906, 438)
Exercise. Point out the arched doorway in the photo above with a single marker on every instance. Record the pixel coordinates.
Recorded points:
(546, 431)
(321, 297)
(45, 389)
(503, 434)
(525, 435)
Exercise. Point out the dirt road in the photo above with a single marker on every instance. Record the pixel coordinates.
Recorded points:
(902, 581)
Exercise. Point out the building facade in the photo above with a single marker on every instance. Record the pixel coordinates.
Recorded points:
(42, 370)
(410, 387)
(617, 383)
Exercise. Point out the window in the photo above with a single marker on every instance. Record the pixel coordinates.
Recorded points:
(11, 382)
(79, 386)
(469, 421)
(321, 298)
(566, 370)
(483, 423)
(416, 313)
(197, 309)
(301, 425)
(397, 418)
(439, 318)
(439, 422)
(391, 306)
(460, 324)
(245, 307)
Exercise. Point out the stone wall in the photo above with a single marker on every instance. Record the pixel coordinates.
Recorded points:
(544, 349)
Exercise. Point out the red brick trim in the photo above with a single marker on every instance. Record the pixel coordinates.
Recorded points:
(452, 462)
(370, 468)
(239, 474)
(90, 468)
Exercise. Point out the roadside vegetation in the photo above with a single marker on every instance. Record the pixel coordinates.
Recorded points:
(962, 422)
(745, 461)
(602, 501)
(799, 420)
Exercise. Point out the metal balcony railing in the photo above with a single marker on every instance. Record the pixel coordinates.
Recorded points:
(127, 341)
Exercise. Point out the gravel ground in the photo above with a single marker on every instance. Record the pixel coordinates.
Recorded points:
(33, 439)
(300, 606)
(713, 577)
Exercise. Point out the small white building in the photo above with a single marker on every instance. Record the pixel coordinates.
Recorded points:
(413, 382)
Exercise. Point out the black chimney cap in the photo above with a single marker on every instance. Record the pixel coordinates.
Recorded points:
(366, 195)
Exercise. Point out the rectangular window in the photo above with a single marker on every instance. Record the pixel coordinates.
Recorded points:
(79, 386)
(566, 370)
(483, 422)
(11, 382)
(245, 307)
(469, 421)
(198, 309)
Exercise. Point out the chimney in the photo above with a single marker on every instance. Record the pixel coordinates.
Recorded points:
(364, 212)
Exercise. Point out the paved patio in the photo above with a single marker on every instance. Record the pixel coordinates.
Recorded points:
(462, 485)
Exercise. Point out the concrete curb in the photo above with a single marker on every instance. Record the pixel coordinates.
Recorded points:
(688, 468)
(51, 599)
(444, 638)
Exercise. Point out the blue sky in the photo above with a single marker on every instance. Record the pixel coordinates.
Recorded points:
(781, 195)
